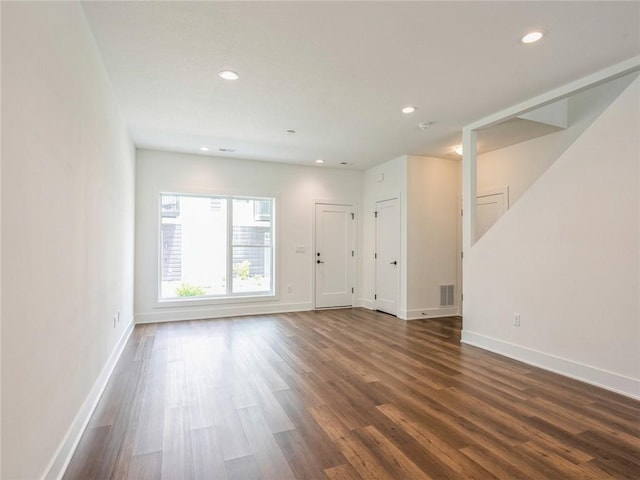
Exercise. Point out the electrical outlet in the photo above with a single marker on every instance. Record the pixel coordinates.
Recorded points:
(516, 319)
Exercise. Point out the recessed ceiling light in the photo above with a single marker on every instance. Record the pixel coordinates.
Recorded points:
(532, 37)
(228, 75)
(409, 109)
(319, 160)
(458, 149)
(424, 125)
(289, 132)
(204, 149)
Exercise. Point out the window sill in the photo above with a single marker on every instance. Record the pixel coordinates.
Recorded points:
(236, 299)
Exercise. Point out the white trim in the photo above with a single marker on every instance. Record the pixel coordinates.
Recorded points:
(614, 382)
(366, 303)
(458, 287)
(418, 313)
(194, 313)
(487, 192)
(607, 74)
(324, 201)
(414, 314)
(469, 189)
(493, 192)
(210, 300)
(60, 461)
(387, 196)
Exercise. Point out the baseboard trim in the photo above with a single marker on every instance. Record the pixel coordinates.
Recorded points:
(62, 457)
(168, 314)
(614, 382)
(418, 313)
(365, 303)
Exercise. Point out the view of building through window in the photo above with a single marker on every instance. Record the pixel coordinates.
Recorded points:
(216, 246)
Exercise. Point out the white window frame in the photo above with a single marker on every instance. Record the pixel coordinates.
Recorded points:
(229, 296)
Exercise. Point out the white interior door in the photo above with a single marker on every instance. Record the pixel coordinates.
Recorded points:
(334, 256)
(387, 256)
(490, 207)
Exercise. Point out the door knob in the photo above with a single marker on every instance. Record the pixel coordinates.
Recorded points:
(394, 263)
(319, 261)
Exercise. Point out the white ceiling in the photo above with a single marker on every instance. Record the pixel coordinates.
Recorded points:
(339, 72)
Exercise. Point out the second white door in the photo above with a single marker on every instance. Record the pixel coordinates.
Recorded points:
(387, 255)
(334, 256)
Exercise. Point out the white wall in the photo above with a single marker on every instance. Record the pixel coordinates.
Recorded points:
(295, 187)
(433, 191)
(566, 257)
(0, 259)
(519, 166)
(382, 182)
(67, 232)
(428, 189)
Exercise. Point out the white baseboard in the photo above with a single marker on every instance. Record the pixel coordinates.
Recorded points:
(65, 451)
(414, 314)
(170, 314)
(366, 303)
(441, 312)
(614, 382)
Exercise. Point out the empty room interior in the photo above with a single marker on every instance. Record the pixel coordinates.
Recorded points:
(320, 240)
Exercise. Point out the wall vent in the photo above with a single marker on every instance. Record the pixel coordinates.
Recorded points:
(446, 296)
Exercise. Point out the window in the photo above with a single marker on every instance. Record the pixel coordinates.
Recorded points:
(216, 246)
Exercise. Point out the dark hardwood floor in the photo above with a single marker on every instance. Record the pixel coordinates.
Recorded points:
(345, 394)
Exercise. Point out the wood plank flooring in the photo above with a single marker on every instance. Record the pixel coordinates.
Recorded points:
(345, 394)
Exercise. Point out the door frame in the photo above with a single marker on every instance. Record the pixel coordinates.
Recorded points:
(489, 192)
(354, 243)
(459, 258)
